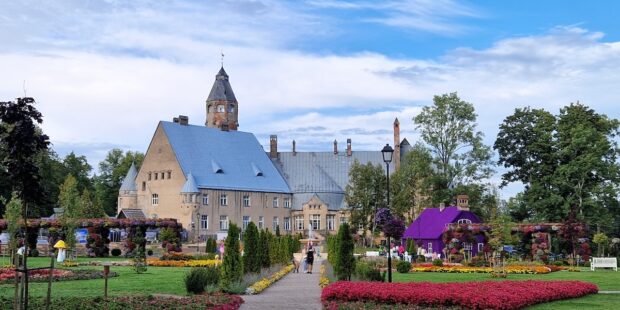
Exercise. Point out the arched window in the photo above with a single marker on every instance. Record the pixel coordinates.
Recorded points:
(231, 108)
(220, 108)
(464, 221)
(210, 108)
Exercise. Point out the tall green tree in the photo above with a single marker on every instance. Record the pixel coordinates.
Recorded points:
(448, 128)
(263, 246)
(80, 169)
(53, 174)
(345, 262)
(232, 266)
(112, 171)
(365, 193)
(90, 207)
(71, 203)
(251, 259)
(411, 185)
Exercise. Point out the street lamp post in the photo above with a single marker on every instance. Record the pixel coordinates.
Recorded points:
(387, 158)
(198, 237)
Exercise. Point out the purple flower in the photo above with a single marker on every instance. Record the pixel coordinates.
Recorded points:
(382, 217)
(394, 228)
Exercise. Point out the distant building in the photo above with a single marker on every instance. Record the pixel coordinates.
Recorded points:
(209, 176)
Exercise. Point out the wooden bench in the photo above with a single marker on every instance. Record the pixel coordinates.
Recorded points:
(603, 262)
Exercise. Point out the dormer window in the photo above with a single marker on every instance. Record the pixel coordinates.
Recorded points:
(220, 108)
(216, 167)
(464, 221)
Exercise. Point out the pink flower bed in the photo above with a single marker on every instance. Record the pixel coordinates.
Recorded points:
(9, 273)
(467, 295)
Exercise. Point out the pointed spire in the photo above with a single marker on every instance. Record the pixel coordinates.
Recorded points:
(190, 185)
(129, 182)
(396, 122)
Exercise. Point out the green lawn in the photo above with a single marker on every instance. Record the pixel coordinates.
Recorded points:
(606, 280)
(166, 280)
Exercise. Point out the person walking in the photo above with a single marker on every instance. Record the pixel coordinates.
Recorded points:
(310, 258)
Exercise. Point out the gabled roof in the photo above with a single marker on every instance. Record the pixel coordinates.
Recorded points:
(235, 152)
(432, 222)
(129, 182)
(221, 89)
(190, 185)
(334, 201)
(131, 214)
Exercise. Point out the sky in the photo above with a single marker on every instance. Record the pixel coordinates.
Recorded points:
(105, 72)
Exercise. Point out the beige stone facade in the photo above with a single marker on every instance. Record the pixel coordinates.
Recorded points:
(316, 213)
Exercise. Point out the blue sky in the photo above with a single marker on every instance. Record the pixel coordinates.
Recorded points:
(104, 72)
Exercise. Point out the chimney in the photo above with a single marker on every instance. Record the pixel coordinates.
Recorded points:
(396, 144)
(335, 147)
(349, 151)
(183, 120)
(175, 120)
(442, 206)
(273, 146)
(462, 202)
(294, 150)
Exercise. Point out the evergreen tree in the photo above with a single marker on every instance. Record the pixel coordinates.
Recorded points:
(232, 266)
(263, 247)
(90, 208)
(251, 260)
(345, 262)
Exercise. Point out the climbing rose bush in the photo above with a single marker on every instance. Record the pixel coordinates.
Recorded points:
(467, 295)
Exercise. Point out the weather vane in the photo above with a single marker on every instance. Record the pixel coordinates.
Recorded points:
(222, 58)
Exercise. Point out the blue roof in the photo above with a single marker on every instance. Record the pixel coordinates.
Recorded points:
(202, 150)
(129, 182)
(190, 185)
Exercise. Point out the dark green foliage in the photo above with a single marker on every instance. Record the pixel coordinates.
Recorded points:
(332, 249)
(116, 252)
(277, 230)
(437, 262)
(113, 169)
(211, 245)
(345, 262)
(198, 278)
(365, 192)
(366, 272)
(404, 266)
(251, 259)
(232, 266)
(263, 249)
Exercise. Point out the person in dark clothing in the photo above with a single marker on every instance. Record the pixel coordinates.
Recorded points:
(310, 258)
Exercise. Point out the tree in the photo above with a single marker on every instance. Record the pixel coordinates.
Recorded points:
(232, 266)
(13, 216)
(448, 127)
(70, 201)
(345, 262)
(20, 141)
(251, 251)
(90, 208)
(263, 245)
(365, 193)
(52, 173)
(601, 241)
(411, 185)
(113, 169)
(80, 169)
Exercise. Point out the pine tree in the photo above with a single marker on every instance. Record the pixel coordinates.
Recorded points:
(263, 247)
(88, 207)
(232, 267)
(345, 261)
(251, 261)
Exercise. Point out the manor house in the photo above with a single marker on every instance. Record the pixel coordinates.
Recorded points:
(209, 176)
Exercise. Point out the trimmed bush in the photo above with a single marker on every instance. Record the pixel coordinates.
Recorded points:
(251, 259)
(232, 265)
(437, 262)
(116, 252)
(403, 266)
(196, 280)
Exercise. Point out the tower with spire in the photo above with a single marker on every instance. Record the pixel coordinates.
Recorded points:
(222, 106)
(128, 193)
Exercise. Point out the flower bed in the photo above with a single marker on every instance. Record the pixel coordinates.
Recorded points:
(41, 275)
(182, 263)
(323, 279)
(467, 295)
(264, 283)
(211, 301)
(463, 269)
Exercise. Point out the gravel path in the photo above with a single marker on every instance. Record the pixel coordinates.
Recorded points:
(294, 291)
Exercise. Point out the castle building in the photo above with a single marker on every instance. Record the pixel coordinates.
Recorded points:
(209, 176)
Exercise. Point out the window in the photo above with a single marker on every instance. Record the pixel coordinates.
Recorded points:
(223, 200)
(231, 108)
(287, 224)
(480, 247)
(246, 221)
(220, 108)
(330, 222)
(276, 222)
(154, 199)
(169, 174)
(343, 220)
(223, 222)
(467, 246)
(464, 221)
(143, 186)
(261, 222)
(275, 202)
(246, 200)
(430, 247)
(205, 199)
(299, 222)
(204, 222)
(287, 203)
(149, 176)
(316, 221)
(156, 174)
(163, 175)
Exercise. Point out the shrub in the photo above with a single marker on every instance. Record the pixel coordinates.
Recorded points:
(251, 258)
(345, 262)
(437, 262)
(116, 252)
(403, 266)
(34, 253)
(196, 280)
(232, 265)
(365, 271)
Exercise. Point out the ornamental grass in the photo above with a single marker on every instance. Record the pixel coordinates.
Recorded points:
(466, 295)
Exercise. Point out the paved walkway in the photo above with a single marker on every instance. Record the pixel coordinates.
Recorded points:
(294, 291)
